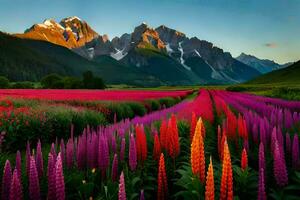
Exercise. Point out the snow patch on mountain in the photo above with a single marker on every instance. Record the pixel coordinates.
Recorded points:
(169, 49)
(72, 18)
(214, 74)
(181, 57)
(119, 54)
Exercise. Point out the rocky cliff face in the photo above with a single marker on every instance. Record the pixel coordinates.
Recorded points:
(71, 32)
(148, 49)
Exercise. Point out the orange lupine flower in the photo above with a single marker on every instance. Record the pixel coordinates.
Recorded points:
(244, 159)
(156, 148)
(162, 188)
(224, 138)
(226, 190)
(197, 153)
(170, 141)
(163, 134)
(210, 184)
(193, 126)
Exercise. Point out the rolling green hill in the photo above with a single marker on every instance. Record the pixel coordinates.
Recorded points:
(30, 60)
(289, 75)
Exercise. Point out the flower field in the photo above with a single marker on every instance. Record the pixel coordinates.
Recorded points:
(220, 145)
(90, 95)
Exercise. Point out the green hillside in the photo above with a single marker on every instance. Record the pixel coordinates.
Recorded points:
(160, 65)
(30, 60)
(289, 75)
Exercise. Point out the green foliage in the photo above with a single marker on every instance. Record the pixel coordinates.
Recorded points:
(22, 85)
(51, 81)
(72, 83)
(4, 82)
(92, 82)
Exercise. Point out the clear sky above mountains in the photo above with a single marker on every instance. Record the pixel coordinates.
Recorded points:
(264, 28)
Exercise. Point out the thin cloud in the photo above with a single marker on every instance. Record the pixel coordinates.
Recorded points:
(270, 45)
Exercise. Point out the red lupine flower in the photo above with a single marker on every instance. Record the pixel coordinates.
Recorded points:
(162, 188)
(15, 187)
(175, 135)
(210, 184)
(163, 134)
(141, 143)
(244, 159)
(156, 148)
(193, 126)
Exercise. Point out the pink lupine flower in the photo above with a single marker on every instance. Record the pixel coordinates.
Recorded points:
(122, 192)
(59, 179)
(15, 187)
(39, 159)
(34, 186)
(19, 165)
(51, 177)
(114, 170)
(28, 154)
(6, 181)
(280, 171)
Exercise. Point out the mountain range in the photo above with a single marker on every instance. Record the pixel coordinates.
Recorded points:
(262, 65)
(146, 56)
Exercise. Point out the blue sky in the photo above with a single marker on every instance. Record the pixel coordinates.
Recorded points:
(264, 28)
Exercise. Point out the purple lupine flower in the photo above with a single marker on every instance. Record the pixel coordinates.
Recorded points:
(70, 153)
(122, 192)
(51, 177)
(280, 137)
(255, 133)
(132, 153)
(279, 166)
(34, 186)
(262, 132)
(261, 194)
(15, 187)
(113, 144)
(28, 154)
(103, 161)
(53, 151)
(19, 165)
(90, 153)
(59, 179)
(295, 153)
(142, 196)
(39, 159)
(288, 144)
(261, 157)
(62, 150)
(6, 181)
(122, 149)
(273, 139)
(114, 170)
(82, 150)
